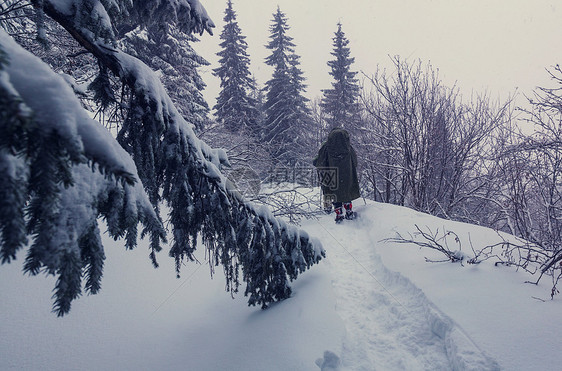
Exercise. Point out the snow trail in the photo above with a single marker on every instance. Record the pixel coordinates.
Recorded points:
(390, 323)
(352, 308)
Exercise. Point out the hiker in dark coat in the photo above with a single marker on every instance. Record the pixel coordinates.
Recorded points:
(337, 168)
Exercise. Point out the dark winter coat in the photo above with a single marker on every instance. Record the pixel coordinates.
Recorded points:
(337, 167)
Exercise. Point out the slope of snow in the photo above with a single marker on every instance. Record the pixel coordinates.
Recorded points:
(377, 305)
(390, 322)
(147, 319)
(491, 305)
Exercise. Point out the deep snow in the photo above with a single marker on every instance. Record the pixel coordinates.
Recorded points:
(376, 305)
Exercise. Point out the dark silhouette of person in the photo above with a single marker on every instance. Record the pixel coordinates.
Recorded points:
(337, 168)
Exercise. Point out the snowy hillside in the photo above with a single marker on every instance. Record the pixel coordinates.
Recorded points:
(377, 305)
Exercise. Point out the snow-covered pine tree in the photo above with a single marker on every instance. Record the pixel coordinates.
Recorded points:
(59, 50)
(236, 108)
(341, 102)
(285, 107)
(168, 51)
(59, 172)
(304, 148)
(50, 146)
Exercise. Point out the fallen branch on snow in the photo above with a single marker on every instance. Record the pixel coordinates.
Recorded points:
(530, 257)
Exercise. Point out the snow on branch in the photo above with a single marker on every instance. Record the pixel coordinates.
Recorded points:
(172, 164)
(515, 252)
(435, 241)
(61, 171)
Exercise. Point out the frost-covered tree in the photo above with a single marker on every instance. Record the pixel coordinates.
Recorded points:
(423, 146)
(60, 171)
(236, 108)
(287, 115)
(341, 102)
(167, 50)
(53, 44)
(529, 201)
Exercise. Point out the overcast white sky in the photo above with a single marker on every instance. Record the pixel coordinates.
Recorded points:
(493, 45)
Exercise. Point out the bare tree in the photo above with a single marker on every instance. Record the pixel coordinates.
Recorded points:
(532, 168)
(424, 146)
(517, 180)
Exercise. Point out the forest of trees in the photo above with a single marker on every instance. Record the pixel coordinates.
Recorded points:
(420, 144)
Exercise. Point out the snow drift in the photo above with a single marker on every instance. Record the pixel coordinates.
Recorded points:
(370, 305)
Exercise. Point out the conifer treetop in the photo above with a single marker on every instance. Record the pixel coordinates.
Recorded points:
(287, 114)
(341, 101)
(235, 108)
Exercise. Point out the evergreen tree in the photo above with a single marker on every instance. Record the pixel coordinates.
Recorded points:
(341, 103)
(236, 109)
(167, 50)
(48, 149)
(60, 170)
(285, 108)
(258, 95)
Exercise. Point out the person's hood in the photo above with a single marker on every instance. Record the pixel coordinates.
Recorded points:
(338, 140)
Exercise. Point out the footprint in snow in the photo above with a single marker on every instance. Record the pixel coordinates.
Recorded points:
(330, 362)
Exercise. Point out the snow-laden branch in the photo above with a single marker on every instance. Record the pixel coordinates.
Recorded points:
(173, 166)
(531, 257)
(66, 197)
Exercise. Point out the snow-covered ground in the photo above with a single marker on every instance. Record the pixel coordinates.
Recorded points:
(377, 305)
